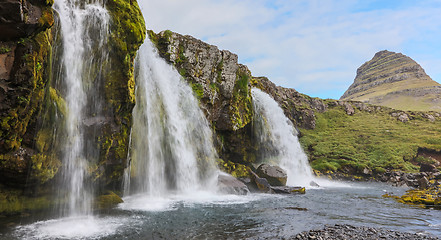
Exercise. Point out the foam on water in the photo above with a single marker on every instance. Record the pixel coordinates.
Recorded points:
(73, 228)
(145, 202)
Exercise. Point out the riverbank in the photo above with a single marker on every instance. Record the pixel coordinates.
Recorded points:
(362, 233)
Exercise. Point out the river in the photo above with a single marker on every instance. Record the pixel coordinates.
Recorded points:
(255, 216)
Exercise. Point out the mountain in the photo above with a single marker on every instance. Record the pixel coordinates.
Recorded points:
(395, 80)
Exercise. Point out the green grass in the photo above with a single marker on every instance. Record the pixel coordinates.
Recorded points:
(374, 140)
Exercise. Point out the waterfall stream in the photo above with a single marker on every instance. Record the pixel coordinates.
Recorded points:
(172, 148)
(84, 32)
(278, 140)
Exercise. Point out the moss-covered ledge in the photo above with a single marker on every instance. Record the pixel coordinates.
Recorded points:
(127, 33)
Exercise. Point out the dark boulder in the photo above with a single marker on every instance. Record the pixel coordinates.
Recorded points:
(288, 190)
(261, 183)
(230, 185)
(275, 175)
(425, 167)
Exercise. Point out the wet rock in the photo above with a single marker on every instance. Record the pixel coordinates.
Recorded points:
(261, 183)
(275, 175)
(230, 185)
(288, 190)
(314, 184)
(108, 200)
(429, 197)
(23, 18)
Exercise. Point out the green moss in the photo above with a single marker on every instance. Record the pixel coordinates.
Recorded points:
(198, 90)
(241, 103)
(108, 200)
(58, 100)
(4, 50)
(44, 167)
(235, 169)
(181, 57)
(153, 37)
(43, 140)
(14, 123)
(127, 34)
(14, 202)
(425, 198)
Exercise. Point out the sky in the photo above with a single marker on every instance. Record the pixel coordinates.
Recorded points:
(313, 46)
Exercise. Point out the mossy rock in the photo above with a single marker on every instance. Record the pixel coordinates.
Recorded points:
(426, 198)
(108, 200)
(236, 170)
(13, 202)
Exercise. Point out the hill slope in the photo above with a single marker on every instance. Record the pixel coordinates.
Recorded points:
(395, 80)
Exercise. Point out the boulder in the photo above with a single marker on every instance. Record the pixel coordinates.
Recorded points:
(423, 183)
(288, 190)
(230, 185)
(275, 175)
(261, 183)
(425, 167)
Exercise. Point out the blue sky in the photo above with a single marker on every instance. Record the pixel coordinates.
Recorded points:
(310, 45)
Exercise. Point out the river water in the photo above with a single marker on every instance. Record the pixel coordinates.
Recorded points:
(203, 215)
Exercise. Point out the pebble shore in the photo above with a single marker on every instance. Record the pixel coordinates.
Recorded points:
(362, 233)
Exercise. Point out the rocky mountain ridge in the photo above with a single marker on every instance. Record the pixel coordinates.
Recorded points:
(397, 81)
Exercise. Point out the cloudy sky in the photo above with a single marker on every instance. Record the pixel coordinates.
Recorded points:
(314, 46)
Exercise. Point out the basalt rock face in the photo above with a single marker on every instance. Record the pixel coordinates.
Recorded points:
(25, 47)
(127, 33)
(32, 107)
(222, 86)
(395, 80)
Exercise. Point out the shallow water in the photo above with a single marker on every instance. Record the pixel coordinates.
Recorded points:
(203, 215)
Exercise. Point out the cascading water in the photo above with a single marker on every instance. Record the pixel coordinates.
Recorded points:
(278, 139)
(172, 148)
(84, 32)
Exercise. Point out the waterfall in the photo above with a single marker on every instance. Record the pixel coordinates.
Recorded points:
(171, 148)
(278, 140)
(84, 33)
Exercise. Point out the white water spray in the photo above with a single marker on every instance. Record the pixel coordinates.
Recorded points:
(172, 149)
(278, 139)
(84, 31)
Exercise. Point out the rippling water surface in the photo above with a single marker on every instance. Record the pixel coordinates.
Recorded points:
(207, 216)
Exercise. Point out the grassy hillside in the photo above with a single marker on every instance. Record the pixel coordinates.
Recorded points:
(375, 140)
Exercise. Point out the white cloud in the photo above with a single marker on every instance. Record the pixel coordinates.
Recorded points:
(313, 46)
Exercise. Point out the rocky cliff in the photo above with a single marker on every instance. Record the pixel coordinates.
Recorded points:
(395, 80)
(32, 107)
(349, 137)
(222, 86)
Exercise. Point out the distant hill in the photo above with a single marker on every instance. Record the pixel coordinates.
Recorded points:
(395, 80)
